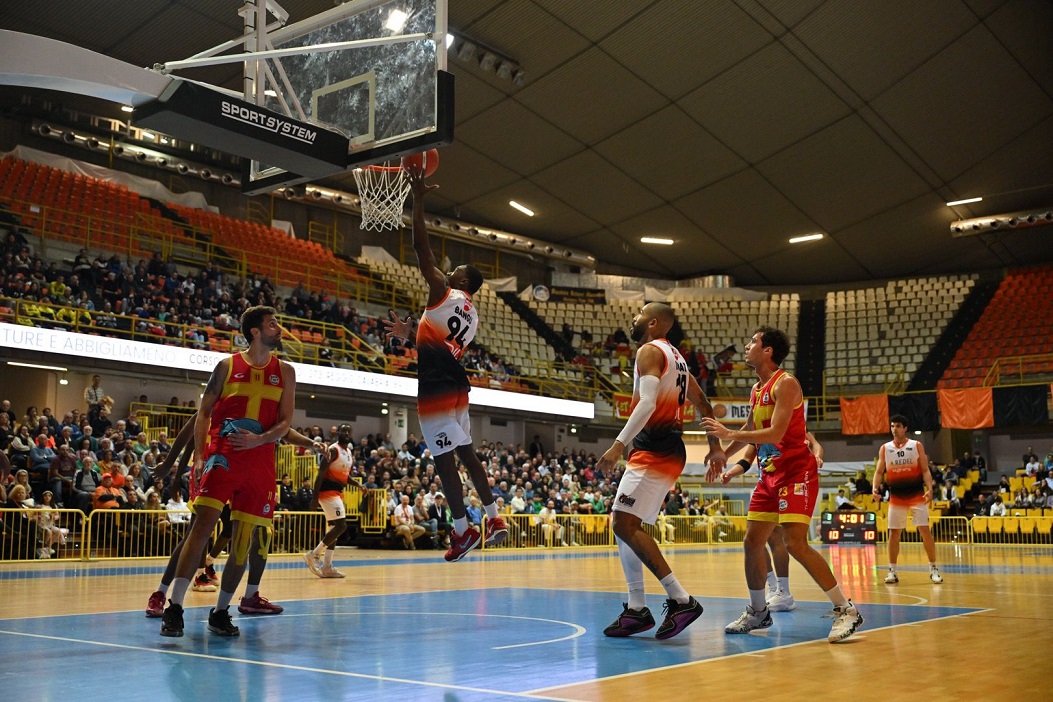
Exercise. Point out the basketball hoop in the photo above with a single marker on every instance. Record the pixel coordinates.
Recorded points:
(382, 192)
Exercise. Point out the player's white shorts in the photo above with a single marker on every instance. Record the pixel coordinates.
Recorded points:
(897, 515)
(642, 493)
(333, 507)
(447, 429)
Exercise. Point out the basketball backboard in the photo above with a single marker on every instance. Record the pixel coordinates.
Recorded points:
(389, 97)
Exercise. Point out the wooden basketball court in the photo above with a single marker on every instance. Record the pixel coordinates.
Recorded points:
(528, 625)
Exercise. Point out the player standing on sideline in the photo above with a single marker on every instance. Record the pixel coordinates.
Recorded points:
(207, 577)
(248, 404)
(789, 484)
(446, 328)
(333, 476)
(661, 386)
(905, 469)
(778, 596)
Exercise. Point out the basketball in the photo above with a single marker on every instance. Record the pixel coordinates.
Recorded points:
(425, 161)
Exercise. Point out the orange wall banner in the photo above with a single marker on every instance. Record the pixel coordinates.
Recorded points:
(865, 415)
(966, 408)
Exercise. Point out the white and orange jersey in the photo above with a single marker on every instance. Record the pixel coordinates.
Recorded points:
(338, 472)
(662, 433)
(444, 332)
(904, 473)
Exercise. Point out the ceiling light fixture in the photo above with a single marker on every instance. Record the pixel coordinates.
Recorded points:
(449, 40)
(525, 210)
(656, 240)
(964, 202)
(806, 237)
(37, 365)
(127, 108)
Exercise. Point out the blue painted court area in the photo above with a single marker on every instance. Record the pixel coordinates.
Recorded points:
(455, 645)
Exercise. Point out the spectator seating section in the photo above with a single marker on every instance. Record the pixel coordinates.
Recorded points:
(1017, 322)
(871, 333)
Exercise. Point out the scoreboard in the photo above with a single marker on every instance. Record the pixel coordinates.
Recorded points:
(849, 527)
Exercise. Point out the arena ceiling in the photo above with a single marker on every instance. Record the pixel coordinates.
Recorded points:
(727, 125)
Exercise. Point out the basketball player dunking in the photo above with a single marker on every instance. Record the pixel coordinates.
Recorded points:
(446, 328)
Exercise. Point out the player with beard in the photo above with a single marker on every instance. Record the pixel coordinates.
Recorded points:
(246, 407)
(661, 386)
(333, 477)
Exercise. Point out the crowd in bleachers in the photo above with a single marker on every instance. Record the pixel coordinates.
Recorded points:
(110, 297)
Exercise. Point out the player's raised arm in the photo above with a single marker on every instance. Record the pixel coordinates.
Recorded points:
(435, 278)
(162, 469)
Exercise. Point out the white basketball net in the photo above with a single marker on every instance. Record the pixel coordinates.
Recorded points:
(382, 193)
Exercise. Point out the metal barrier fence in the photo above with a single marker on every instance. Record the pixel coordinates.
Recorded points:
(125, 534)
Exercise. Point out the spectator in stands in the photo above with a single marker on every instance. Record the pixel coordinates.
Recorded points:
(20, 447)
(1003, 485)
(863, 485)
(305, 495)
(85, 482)
(843, 502)
(998, 507)
(48, 522)
(430, 524)
(106, 495)
(7, 432)
(62, 470)
(176, 509)
(983, 507)
(1022, 499)
(1026, 458)
(405, 524)
(981, 465)
(40, 457)
(1032, 467)
(551, 528)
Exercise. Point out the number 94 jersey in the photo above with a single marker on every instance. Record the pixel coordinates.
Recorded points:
(662, 433)
(444, 332)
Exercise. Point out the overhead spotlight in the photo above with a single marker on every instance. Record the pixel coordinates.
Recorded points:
(493, 237)
(92, 142)
(63, 381)
(455, 227)
(549, 249)
(316, 194)
(182, 168)
(69, 137)
(338, 198)
(127, 108)
(44, 129)
(512, 241)
(473, 231)
(140, 156)
(1013, 221)
(1048, 216)
(567, 253)
(227, 179)
(162, 162)
(488, 61)
(205, 174)
(118, 150)
(466, 52)
(519, 78)
(435, 222)
(530, 245)
(504, 70)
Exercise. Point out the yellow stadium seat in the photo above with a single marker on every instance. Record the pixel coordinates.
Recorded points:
(980, 525)
(1011, 528)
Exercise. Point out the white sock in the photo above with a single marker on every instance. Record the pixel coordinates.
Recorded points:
(491, 510)
(317, 552)
(632, 567)
(209, 560)
(773, 582)
(784, 584)
(836, 596)
(932, 566)
(460, 525)
(757, 600)
(163, 589)
(329, 557)
(179, 588)
(223, 601)
(674, 589)
(892, 567)
(251, 589)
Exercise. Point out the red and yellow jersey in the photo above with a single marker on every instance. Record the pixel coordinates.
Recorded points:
(444, 332)
(249, 393)
(791, 452)
(338, 472)
(663, 432)
(904, 473)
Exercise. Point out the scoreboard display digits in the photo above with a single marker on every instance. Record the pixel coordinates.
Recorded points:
(849, 527)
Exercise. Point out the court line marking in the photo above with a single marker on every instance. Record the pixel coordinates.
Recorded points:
(578, 629)
(286, 666)
(545, 690)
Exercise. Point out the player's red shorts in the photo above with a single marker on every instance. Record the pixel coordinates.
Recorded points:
(785, 495)
(244, 478)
